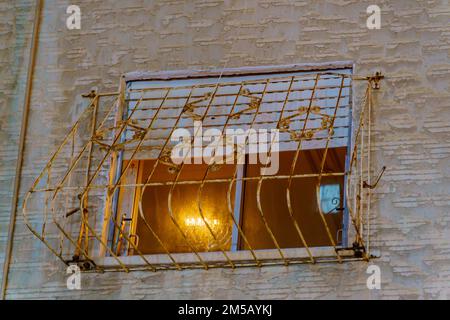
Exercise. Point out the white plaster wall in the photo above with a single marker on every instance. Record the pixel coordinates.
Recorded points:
(411, 127)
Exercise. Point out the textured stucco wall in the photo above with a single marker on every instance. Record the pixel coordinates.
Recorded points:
(15, 32)
(411, 128)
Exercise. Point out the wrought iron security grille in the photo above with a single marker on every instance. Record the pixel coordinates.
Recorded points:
(82, 187)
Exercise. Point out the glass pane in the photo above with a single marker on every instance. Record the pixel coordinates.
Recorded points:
(185, 210)
(330, 198)
(304, 202)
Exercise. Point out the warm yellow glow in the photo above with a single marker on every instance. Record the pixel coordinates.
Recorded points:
(218, 235)
(199, 222)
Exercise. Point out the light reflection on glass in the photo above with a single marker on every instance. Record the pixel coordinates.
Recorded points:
(199, 222)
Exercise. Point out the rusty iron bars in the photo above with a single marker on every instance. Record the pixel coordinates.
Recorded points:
(79, 186)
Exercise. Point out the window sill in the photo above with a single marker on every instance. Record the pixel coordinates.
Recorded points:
(241, 258)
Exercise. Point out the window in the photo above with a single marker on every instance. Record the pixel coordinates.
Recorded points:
(218, 215)
(240, 167)
(211, 207)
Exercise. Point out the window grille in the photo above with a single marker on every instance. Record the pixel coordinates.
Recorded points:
(88, 179)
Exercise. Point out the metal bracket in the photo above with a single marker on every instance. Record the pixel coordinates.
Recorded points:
(374, 185)
(359, 250)
(375, 80)
(90, 95)
(83, 264)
